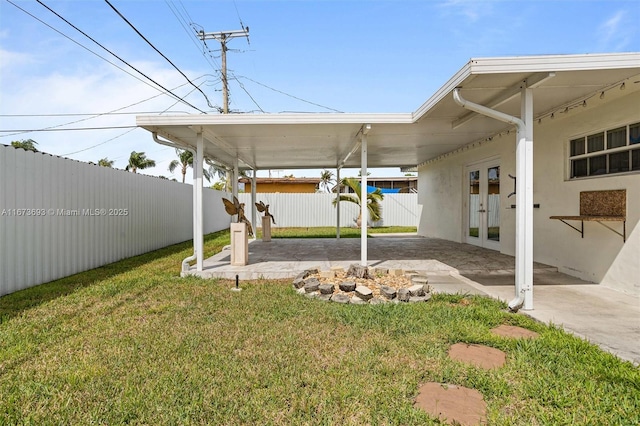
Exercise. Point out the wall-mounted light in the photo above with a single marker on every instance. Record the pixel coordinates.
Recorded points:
(622, 86)
(584, 103)
(602, 95)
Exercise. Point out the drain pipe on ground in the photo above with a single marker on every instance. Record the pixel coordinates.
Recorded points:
(194, 256)
(524, 198)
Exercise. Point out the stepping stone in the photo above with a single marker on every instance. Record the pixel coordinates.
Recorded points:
(416, 290)
(388, 292)
(514, 332)
(403, 295)
(326, 288)
(311, 285)
(348, 286)
(364, 292)
(340, 298)
(355, 300)
(478, 355)
(452, 403)
(327, 274)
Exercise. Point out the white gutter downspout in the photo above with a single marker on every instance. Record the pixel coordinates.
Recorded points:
(194, 256)
(524, 192)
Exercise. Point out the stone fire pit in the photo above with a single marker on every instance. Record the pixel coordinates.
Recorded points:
(362, 285)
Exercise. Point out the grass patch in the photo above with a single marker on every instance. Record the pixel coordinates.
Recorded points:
(133, 343)
(330, 231)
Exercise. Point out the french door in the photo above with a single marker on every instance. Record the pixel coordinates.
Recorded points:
(482, 225)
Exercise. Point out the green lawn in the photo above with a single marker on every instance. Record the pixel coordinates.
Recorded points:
(133, 343)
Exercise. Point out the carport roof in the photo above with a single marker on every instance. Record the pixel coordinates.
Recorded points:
(439, 126)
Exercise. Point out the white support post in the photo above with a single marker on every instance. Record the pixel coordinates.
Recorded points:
(524, 155)
(199, 234)
(236, 175)
(363, 200)
(338, 204)
(254, 221)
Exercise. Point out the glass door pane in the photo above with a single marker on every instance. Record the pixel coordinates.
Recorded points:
(493, 203)
(475, 204)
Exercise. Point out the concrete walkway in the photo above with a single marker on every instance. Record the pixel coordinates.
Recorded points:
(598, 314)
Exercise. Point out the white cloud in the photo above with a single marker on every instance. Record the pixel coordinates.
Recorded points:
(471, 10)
(89, 89)
(616, 32)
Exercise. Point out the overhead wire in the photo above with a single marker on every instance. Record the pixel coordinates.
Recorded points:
(159, 52)
(184, 24)
(289, 95)
(86, 48)
(122, 134)
(112, 112)
(116, 56)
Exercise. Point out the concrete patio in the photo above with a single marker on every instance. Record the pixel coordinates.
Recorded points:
(603, 316)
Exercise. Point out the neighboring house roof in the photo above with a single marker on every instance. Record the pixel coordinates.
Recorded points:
(438, 127)
(282, 181)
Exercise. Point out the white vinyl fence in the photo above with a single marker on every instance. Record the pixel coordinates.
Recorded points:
(59, 217)
(306, 210)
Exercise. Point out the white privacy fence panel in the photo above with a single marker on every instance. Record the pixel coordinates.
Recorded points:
(308, 210)
(59, 217)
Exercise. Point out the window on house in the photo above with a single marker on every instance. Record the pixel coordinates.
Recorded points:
(612, 151)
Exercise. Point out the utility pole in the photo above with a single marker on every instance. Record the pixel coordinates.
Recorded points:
(222, 37)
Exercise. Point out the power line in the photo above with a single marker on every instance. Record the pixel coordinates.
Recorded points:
(95, 114)
(112, 112)
(85, 47)
(287, 94)
(186, 24)
(159, 52)
(65, 130)
(101, 143)
(120, 135)
(118, 57)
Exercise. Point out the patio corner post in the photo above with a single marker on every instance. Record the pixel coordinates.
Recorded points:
(254, 219)
(524, 191)
(236, 176)
(338, 203)
(199, 235)
(363, 196)
(524, 199)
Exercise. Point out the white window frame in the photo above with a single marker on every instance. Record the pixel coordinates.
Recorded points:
(628, 147)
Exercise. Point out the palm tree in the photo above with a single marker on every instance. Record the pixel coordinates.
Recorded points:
(27, 145)
(373, 199)
(326, 179)
(138, 160)
(105, 162)
(185, 160)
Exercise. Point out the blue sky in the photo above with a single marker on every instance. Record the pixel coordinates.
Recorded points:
(346, 55)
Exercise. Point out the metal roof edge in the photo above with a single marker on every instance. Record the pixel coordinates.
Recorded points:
(287, 118)
(543, 63)
(532, 63)
(453, 82)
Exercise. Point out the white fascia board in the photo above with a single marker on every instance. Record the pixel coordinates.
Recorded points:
(550, 63)
(530, 64)
(245, 119)
(445, 90)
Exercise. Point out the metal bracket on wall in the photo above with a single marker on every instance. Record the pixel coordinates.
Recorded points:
(514, 186)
